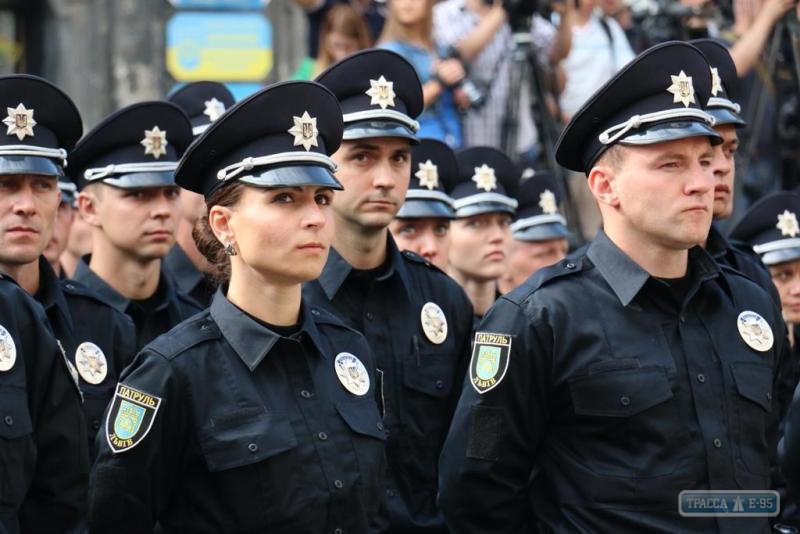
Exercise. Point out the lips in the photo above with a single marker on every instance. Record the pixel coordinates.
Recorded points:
(22, 230)
(312, 246)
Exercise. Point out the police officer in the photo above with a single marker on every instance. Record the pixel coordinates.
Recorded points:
(259, 414)
(416, 319)
(480, 238)
(63, 223)
(97, 339)
(43, 448)
(539, 233)
(422, 223)
(637, 370)
(203, 102)
(124, 168)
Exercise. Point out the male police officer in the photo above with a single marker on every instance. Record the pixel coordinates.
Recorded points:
(125, 168)
(637, 370)
(416, 319)
(43, 448)
(204, 103)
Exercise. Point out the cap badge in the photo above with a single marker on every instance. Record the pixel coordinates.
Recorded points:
(755, 331)
(91, 363)
(428, 175)
(305, 131)
(434, 323)
(155, 142)
(381, 92)
(716, 82)
(787, 224)
(547, 201)
(8, 351)
(214, 109)
(352, 373)
(19, 121)
(682, 89)
(484, 178)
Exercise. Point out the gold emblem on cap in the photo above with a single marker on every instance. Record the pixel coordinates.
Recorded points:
(755, 331)
(352, 373)
(214, 109)
(155, 142)
(547, 201)
(787, 224)
(91, 363)
(8, 351)
(682, 89)
(428, 175)
(434, 323)
(716, 82)
(19, 121)
(381, 92)
(485, 178)
(304, 131)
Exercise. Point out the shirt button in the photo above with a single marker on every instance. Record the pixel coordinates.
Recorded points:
(717, 443)
(439, 384)
(338, 484)
(701, 378)
(9, 420)
(306, 394)
(625, 400)
(338, 531)
(369, 316)
(769, 395)
(314, 312)
(322, 436)
(389, 493)
(252, 447)
(570, 265)
(683, 318)
(380, 425)
(96, 424)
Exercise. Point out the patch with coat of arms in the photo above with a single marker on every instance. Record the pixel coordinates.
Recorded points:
(130, 417)
(489, 362)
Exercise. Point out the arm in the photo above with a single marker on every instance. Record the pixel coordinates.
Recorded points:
(476, 40)
(746, 51)
(563, 41)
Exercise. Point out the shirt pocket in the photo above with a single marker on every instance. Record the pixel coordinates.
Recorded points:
(428, 372)
(753, 413)
(626, 423)
(17, 451)
(368, 439)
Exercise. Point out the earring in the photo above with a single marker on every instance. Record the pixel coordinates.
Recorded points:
(229, 250)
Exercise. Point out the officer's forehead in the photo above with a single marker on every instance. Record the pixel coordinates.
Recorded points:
(22, 177)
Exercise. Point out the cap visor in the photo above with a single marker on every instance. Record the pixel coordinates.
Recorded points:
(138, 180)
(671, 131)
(480, 208)
(726, 116)
(781, 256)
(421, 209)
(293, 176)
(368, 129)
(542, 232)
(30, 165)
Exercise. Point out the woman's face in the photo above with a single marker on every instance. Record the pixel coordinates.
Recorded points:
(282, 235)
(339, 45)
(786, 277)
(480, 245)
(408, 12)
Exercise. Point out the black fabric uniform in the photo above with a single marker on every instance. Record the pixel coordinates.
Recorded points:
(187, 278)
(420, 380)
(44, 461)
(77, 315)
(254, 433)
(167, 307)
(621, 396)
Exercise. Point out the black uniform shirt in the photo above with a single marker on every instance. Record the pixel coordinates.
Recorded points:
(44, 463)
(620, 396)
(83, 323)
(165, 309)
(188, 278)
(254, 432)
(420, 379)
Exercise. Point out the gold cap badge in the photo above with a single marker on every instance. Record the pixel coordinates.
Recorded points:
(428, 175)
(381, 92)
(682, 89)
(305, 131)
(155, 142)
(19, 121)
(485, 178)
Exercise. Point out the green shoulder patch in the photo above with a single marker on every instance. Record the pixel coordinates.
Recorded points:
(130, 417)
(489, 362)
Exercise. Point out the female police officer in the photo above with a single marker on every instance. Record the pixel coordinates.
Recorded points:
(258, 414)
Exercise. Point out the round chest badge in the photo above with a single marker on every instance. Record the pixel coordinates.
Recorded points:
(8, 351)
(91, 363)
(352, 373)
(434, 323)
(755, 331)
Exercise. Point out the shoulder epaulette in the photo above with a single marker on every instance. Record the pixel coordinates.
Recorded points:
(414, 258)
(192, 332)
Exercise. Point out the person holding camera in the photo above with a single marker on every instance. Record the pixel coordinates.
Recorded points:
(408, 31)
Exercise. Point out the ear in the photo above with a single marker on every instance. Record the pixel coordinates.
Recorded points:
(602, 183)
(88, 204)
(219, 219)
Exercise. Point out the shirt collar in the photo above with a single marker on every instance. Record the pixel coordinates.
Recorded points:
(251, 340)
(184, 273)
(716, 244)
(50, 294)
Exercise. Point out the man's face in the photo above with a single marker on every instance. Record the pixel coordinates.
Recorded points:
(58, 242)
(375, 174)
(786, 277)
(28, 204)
(527, 257)
(724, 168)
(138, 223)
(429, 237)
(663, 194)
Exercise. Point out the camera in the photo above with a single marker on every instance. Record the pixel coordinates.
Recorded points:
(519, 12)
(475, 91)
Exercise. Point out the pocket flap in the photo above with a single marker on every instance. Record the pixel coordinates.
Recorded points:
(362, 417)
(15, 419)
(431, 377)
(620, 393)
(754, 382)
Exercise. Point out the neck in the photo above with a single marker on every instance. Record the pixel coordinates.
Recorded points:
(362, 248)
(130, 277)
(26, 275)
(271, 303)
(481, 293)
(69, 263)
(659, 261)
(184, 239)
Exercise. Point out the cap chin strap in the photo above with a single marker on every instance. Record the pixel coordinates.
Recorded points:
(716, 102)
(235, 169)
(381, 115)
(99, 173)
(30, 150)
(617, 131)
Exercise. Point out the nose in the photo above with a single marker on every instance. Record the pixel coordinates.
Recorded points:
(314, 217)
(164, 206)
(794, 288)
(427, 246)
(700, 179)
(24, 203)
(498, 232)
(385, 176)
(721, 165)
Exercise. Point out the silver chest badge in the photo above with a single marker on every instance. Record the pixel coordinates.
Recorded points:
(91, 363)
(434, 323)
(8, 351)
(352, 373)
(755, 331)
